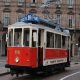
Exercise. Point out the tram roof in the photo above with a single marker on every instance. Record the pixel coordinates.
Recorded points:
(33, 19)
(30, 18)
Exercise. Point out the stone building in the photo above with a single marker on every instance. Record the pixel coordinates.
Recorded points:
(64, 12)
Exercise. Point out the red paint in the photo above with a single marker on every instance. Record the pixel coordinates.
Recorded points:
(41, 56)
(27, 56)
(55, 53)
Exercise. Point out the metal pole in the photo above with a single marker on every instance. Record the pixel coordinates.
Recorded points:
(1, 44)
(25, 6)
(75, 29)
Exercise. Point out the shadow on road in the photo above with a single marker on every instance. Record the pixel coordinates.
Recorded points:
(39, 76)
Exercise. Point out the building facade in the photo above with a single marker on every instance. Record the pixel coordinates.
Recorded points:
(64, 12)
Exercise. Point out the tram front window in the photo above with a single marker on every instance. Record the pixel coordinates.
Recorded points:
(26, 37)
(10, 40)
(17, 37)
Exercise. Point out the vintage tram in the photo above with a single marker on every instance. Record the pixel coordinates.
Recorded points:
(35, 44)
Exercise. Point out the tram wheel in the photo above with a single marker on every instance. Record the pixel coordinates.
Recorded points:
(17, 75)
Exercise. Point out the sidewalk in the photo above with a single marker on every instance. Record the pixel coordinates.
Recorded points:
(75, 59)
(3, 70)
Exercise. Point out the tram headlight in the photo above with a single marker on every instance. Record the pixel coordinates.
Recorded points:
(17, 60)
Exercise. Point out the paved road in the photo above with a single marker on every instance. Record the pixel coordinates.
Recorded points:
(72, 73)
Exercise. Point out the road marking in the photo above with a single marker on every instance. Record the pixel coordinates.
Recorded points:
(69, 75)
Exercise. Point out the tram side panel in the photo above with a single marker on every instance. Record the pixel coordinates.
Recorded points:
(55, 56)
(26, 57)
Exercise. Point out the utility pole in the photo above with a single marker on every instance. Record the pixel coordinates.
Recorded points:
(1, 44)
(25, 7)
(75, 29)
(1, 29)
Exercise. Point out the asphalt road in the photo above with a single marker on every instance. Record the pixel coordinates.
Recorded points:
(71, 73)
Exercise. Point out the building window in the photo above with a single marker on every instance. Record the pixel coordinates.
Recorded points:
(58, 3)
(70, 3)
(20, 2)
(6, 19)
(33, 1)
(71, 21)
(7, 2)
(19, 15)
(45, 12)
(33, 11)
(58, 18)
(7, 10)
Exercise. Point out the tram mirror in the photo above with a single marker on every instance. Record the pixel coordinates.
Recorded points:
(34, 36)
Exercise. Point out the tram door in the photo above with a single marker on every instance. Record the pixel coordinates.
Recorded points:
(40, 46)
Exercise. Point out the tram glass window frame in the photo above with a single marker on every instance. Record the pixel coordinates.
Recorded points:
(63, 41)
(10, 38)
(26, 37)
(57, 41)
(67, 42)
(34, 38)
(18, 37)
(50, 40)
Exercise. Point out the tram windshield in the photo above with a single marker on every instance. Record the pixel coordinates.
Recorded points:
(26, 37)
(10, 40)
(17, 37)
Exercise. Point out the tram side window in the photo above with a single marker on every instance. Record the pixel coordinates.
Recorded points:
(67, 42)
(10, 40)
(57, 41)
(68, 45)
(26, 37)
(34, 38)
(63, 42)
(50, 40)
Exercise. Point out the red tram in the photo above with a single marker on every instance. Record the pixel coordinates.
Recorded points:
(35, 44)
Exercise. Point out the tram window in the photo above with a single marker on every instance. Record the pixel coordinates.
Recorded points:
(26, 37)
(34, 38)
(63, 42)
(10, 41)
(67, 42)
(57, 41)
(50, 40)
(17, 37)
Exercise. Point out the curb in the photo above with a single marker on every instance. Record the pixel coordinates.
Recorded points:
(74, 63)
(4, 73)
